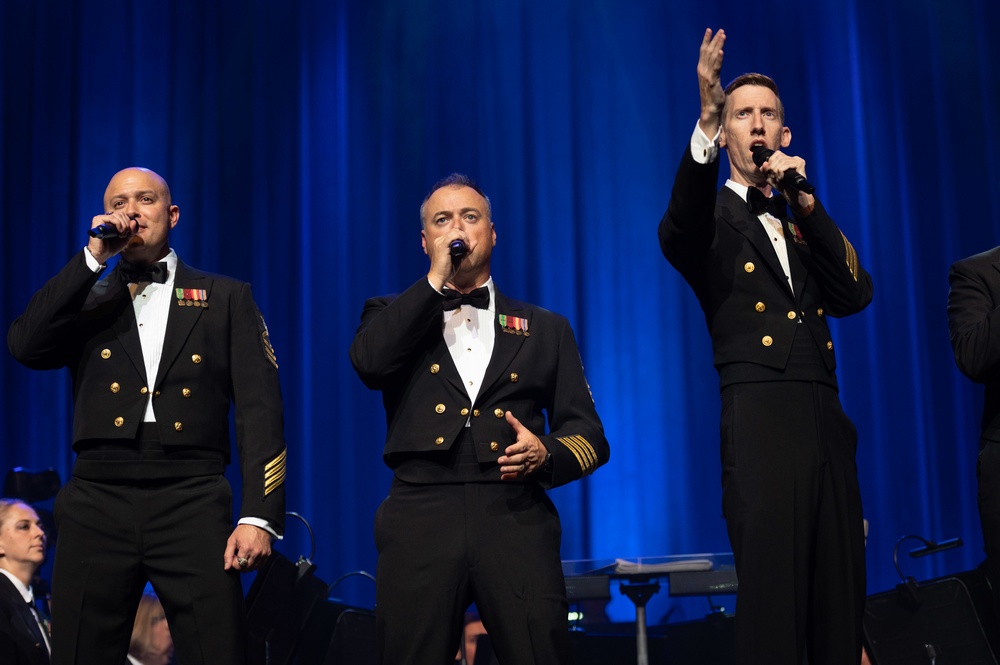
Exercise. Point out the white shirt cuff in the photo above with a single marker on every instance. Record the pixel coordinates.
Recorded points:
(91, 261)
(261, 523)
(704, 150)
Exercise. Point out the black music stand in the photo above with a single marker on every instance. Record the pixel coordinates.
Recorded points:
(691, 574)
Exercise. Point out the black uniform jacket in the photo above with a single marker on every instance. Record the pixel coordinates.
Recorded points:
(19, 638)
(723, 252)
(535, 371)
(216, 351)
(974, 326)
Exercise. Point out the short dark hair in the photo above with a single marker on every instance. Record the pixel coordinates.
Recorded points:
(753, 78)
(456, 180)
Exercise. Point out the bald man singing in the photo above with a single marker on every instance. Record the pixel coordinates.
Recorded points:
(158, 353)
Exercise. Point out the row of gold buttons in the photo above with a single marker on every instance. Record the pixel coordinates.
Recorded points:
(106, 353)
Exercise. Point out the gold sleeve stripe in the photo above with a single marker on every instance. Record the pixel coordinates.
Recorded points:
(574, 450)
(852, 257)
(584, 452)
(274, 473)
(275, 481)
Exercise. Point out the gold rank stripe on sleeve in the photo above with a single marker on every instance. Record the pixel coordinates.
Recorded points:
(852, 257)
(585, 453)
(274, 473)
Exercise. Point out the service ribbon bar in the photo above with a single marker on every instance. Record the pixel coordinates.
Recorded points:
(796, 233)
(192, 297)
(513, 325)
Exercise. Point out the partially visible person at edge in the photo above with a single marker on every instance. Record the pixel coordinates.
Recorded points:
(468, 378)
(974, 326)
(24, 631)
(767, 281)
(158, 352)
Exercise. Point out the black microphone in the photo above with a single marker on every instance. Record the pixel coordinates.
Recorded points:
(792, 177)
(458, 249)
(104, 231)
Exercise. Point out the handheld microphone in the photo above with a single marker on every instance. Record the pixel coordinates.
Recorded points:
(458, 249)
(791, 178)
(104, 231)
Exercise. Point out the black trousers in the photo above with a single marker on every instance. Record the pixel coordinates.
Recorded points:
(988, 474)
(793, 512)
(116, 536)
(443, 546)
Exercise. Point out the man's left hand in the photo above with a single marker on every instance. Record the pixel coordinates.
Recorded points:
(523, 457)
(247, 548)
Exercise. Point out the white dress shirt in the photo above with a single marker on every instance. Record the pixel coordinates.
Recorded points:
(469, 334)
(705, 150)
(151, 302)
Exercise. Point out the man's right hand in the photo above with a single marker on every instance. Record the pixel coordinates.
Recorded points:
(709, 82)
(443, 266)
(102, 250)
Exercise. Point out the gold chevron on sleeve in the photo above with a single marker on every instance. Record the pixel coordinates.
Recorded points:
(585, 454)
(852, 257)
(274, 473)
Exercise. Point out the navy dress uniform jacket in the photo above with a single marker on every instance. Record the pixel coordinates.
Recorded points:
(399, 349)
(973, 321)
(19, 631)
(215, 351)
(723, 253)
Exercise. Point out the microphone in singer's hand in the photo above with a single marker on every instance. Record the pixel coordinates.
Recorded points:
(791, 177)
(458, 249)
(104, 231)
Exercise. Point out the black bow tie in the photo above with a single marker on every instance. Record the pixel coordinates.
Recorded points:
(135, 274)
(479, 298)
(759, 204)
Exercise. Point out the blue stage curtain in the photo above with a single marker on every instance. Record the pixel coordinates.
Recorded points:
(300, 137)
